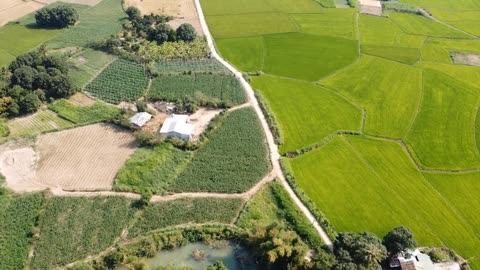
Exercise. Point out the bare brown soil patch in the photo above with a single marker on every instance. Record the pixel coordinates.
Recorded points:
(11, 10)
(85, 158)
(184, 11)
(470, 59)
(80, 99)
(200, 119)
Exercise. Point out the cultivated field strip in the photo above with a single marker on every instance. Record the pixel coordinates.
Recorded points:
(66, 157)
(37, 123)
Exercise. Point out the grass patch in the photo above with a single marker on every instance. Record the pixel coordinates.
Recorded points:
(233, 160)
(477, 129)
(220, 7)
(85, 65)
(181, 66)
(420, 25)
(73, 228)
(299, 107)
(186, 211)
(18, 217)
(467, 74)
(120, 81)
(312, 58)
(235, 50)
(95, 113)
(432, 53)
(95, 24)
(151, 169)
(247, 25)
(217, 88)
(388, 91)
(443, 133)
(37, 123)
(333, 22)
(370, 185)
(404, 55)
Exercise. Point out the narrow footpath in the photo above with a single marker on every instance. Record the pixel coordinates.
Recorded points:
(274, 155)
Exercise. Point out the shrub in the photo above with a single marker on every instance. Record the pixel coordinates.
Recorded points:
(133, 13)
(186, 32)
(4, 131)
(60, 16)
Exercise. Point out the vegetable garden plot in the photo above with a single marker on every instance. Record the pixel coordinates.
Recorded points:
(216, 87)
(120, 81)
(181, 66)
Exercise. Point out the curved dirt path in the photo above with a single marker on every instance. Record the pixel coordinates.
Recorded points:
(274, 155)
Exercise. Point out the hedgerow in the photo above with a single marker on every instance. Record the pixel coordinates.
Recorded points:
(233, 160)
(73, 228)
(120, 81)
(214, 90)
(83, 114)
(18, 216)
(189, 210)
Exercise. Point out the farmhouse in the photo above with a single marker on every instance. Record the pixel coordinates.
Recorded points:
(372, 7)
(140, 119)
(177, 126)
(413, 260)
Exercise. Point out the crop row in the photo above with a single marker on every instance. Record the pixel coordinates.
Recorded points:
(219, 87)
(120, 81)
(180, 66)
(233, 160)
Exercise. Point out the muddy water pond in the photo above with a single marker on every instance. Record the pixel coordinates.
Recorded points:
(199, 256)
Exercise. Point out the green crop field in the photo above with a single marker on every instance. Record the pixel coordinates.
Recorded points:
(186, 211)
(233, 160)
(321, 113)
(443, 134)
(37, 123)
(181, 66)
(335, 66)
(85, 65)
(73, 228)
(387, 90)
(95, 24)
(18, 216)
(220, 88)
(377, 190)
(97, 112)
(152, 169)
(120, 81)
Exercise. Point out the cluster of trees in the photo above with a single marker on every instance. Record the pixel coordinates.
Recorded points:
(280, 248)
(155, 28)
(57, 17)
(30, 80)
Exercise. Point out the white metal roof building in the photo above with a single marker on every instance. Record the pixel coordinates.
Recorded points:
(177, 126)
(140, 119)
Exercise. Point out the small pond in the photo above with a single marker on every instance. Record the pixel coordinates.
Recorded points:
(200, 256)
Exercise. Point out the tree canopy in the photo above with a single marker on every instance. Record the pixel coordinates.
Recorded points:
(186, 32)
(399, 239)
(58, 17)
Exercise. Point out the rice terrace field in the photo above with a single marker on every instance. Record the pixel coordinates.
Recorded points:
(411, 156)
(124, 132)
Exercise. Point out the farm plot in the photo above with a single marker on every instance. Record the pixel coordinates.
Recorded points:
(419, 25)
(81, 115)
(73, 228)
(95, 24)
(388, 91)
(11, 10)
(305, 113)
(84, 158)
(331, 22)
(461, 191)
(182, 66)
(120, 81)
(85, 65)
(218, 7)
(18, 216)
(235, 49)
(186, 211)
(233, 160)
(466, 74)
(313, 57)
(443, 135)
(370, 185)
(403, 55)
(467, 20)
(37, 123)
(151, 169)
(216, 88)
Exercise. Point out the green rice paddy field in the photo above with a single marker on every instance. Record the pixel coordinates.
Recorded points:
(391, 81)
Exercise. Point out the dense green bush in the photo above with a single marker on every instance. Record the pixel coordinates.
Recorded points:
(4, 131)
(186, 32)
(400, 7)
(60, 16)
(18, 217)
(95, 113)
